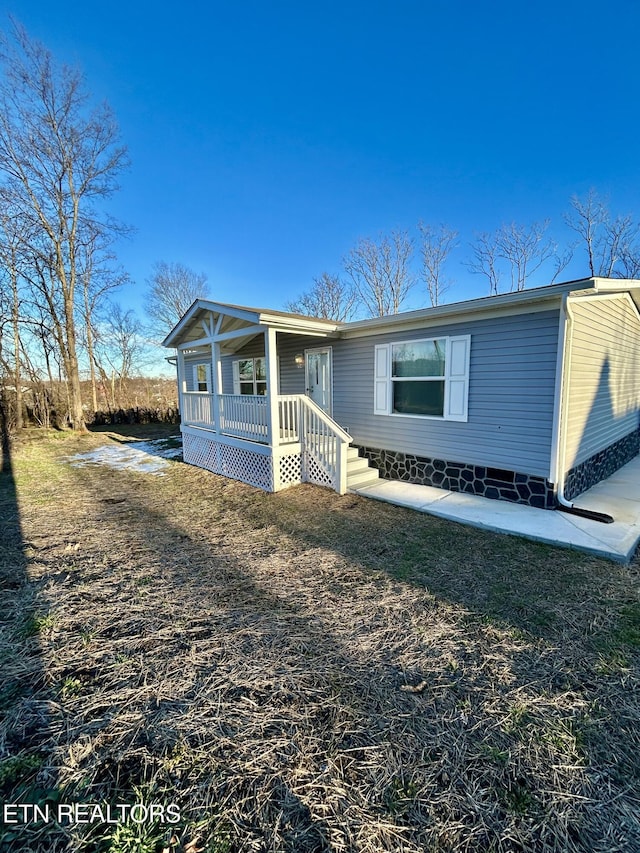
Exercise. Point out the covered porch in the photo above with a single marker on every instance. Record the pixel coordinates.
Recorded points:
(256, 434)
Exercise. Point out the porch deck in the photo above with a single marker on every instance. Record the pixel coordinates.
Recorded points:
(237, 435)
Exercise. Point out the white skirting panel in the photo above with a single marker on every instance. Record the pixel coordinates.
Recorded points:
(250, 464)
(236, 463)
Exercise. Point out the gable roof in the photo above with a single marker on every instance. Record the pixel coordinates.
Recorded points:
(232, 319)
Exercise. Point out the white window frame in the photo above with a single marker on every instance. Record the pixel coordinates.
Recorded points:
(207, 380)
(456, 378)
(236, 375)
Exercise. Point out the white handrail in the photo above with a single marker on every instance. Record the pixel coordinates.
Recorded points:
(324, 443)
(325, 418)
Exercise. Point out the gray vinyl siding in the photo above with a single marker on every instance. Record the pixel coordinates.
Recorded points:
(511, 392)
(254, 349)
(604, 375)
(511, 396)
(292, 378)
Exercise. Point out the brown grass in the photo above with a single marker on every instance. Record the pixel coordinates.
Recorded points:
(306, 672)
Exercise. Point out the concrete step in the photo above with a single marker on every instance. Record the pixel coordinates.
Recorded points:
(363, 478)
(359, 463)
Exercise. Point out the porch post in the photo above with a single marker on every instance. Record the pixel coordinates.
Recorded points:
(273, 420)
(181, 377)
(216, 383)
(181, 383)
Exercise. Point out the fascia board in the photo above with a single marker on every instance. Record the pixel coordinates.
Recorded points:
(425, 321)
(283, 324)
(507, 303)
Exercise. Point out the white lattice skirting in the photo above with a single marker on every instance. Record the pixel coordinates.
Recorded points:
(233, 462)
(237, 463)
(290, 468)
(316, 474)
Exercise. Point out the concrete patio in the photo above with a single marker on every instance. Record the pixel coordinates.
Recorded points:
(618, 496)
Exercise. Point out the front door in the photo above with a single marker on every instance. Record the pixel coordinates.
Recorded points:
(318, 375)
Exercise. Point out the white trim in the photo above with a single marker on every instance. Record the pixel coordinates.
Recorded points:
(235, 367)
(207, 376)
(244, 331)
(216, 382)
(329, 351)
(182, 381)
(454, 408)
(556, 426)
(564, 404)
(222, 438)
(201, 342)
(505, 304)
(271, 368)
(283, 320)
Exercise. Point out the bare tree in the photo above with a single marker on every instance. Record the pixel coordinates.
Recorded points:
(611, 244)
(436, 244)
(381, 272)
(630, 260)
(10, 255)
(171, 290)
(486, 261)
(524, 249)
(521, 249)
(330, 298)
(119, 346)
(58, 159)
(99, 277)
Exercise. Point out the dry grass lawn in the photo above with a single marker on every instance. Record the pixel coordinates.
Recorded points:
(304, 672)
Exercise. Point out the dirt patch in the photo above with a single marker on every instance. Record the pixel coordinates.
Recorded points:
(307, 672)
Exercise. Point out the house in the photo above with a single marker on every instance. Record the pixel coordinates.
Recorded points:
(531, 396)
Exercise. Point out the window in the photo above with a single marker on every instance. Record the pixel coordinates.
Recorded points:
(423, 378)
(201, 376)
(250, 376)
(417, 376)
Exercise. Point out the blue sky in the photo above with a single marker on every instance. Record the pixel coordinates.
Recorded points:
(267, 138)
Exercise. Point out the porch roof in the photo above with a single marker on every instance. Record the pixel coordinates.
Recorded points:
(233, 325)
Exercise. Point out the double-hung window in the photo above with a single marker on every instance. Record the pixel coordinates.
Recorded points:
(202, 377)
(250, 376)
(423, 378)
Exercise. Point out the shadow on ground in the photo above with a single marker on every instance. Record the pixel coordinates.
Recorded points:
(27, 773)
(307, 672)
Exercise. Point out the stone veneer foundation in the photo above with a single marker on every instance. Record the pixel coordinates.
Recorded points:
(601, 465)
(460, 477)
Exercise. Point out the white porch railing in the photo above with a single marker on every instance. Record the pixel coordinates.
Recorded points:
(244, 415)
(197, 408)
(289, 412)
(324, 446)
(323, 443)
